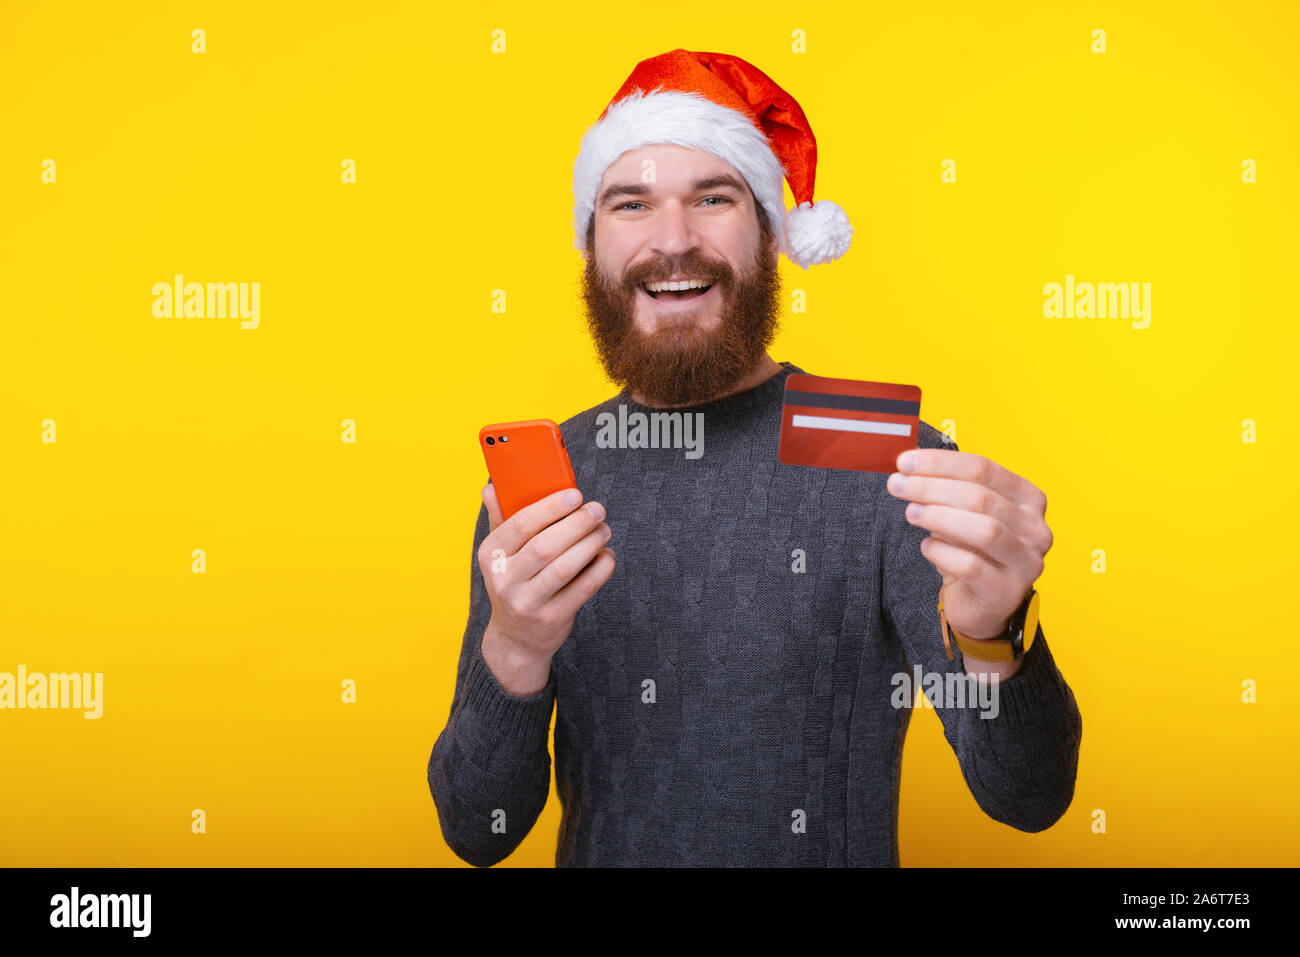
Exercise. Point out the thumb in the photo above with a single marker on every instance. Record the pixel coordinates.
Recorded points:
(493, 507)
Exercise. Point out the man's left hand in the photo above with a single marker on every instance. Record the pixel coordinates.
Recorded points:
(988, 534)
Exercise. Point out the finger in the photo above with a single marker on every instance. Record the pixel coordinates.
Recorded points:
(940, 537)
(986, 582)
(562, 570)
(982, 534)
(516, 531)
(574, 595)
(552, 542)
(968, 466)
(930, 490)
(493, 507)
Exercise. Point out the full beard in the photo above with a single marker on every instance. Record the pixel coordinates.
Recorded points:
(681, 364)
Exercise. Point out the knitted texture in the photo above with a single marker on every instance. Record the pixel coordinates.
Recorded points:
(771, 739)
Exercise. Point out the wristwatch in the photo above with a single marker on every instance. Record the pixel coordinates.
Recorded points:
(1009, 646)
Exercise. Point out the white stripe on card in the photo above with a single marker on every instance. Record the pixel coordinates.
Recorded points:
(849, 425)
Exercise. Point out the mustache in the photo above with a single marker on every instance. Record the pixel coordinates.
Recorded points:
(662, 269)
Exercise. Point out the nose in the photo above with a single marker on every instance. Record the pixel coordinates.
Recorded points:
(674, 233)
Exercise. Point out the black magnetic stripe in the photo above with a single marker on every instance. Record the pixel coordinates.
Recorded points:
(858, 403)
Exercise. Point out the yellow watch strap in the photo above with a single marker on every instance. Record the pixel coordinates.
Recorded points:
(992, 650)
(998, 649)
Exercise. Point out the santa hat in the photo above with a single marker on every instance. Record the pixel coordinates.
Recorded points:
(722, 105)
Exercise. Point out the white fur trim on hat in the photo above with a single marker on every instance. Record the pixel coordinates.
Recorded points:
(681, 119)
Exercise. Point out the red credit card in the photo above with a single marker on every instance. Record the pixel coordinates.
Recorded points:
(847, 424)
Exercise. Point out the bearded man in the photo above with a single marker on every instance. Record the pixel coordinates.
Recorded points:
(726, 690)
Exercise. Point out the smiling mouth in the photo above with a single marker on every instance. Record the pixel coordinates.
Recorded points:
(677, 296)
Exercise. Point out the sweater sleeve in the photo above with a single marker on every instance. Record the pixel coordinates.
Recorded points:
(490, 770)
(1021, 760)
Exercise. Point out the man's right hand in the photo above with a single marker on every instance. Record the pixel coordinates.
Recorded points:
(539, 568)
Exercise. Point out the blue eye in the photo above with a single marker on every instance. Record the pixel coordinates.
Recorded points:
(725, 199)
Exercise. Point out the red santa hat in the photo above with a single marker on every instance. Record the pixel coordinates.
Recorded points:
(722, 105)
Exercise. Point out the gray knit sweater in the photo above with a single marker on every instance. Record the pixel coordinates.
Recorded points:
(729, 696)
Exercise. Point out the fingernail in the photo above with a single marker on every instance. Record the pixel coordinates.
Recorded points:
(896, 482)
(596, 509)
(908, 461)
(914, 511)
(572, 497)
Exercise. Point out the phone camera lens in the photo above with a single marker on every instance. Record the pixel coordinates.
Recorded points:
(491, 441)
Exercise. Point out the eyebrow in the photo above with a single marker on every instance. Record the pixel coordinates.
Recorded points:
(641, 189)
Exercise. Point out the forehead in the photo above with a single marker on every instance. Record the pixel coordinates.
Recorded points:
(673, 166)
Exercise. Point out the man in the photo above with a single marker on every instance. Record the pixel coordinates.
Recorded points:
(728, 695)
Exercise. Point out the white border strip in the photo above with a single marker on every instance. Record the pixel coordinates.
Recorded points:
(850, 425)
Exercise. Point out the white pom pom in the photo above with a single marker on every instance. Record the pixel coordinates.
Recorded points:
(817, 233)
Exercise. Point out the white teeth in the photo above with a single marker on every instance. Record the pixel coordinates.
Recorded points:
(676, 286)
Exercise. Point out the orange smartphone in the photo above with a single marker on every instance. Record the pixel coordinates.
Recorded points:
(527, 462)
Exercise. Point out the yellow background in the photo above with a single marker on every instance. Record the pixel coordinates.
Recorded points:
(328, 561)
